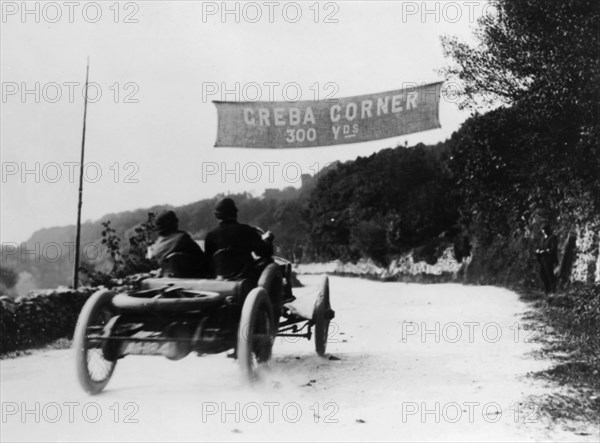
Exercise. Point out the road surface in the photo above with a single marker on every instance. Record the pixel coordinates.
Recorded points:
(405, 362)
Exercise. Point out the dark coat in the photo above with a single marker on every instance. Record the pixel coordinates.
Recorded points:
(245, 239)
(177, 241)
(549, 250)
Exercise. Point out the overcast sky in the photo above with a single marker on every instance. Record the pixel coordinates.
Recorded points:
(151, 132)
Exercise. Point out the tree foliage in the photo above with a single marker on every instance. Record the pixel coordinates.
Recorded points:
(8, 280)
(538, 159)
(8, 277)
(540, 52)
(534, 158)
(382, 205)
(541, 57)
(124, 260)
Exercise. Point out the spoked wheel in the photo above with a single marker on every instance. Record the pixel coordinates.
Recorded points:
(255, 333)
(322, 315)
(93, 368)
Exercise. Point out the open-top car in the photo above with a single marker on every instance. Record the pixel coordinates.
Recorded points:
(175, 315)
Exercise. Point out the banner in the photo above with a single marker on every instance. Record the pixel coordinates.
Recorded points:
(306, 124)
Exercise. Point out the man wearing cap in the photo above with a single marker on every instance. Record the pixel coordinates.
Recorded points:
(172, 241)
(233, 236)
(547, 255)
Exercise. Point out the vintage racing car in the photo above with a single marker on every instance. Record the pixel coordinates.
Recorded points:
(174, 316)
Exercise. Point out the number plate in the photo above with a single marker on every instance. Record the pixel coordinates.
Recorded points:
(147, 348)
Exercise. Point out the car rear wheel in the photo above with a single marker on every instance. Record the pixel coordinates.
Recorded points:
(255, 333)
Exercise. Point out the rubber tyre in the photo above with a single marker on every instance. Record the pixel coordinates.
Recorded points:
(93, 370)
(321, 319)
(255, 333)
(271, 280)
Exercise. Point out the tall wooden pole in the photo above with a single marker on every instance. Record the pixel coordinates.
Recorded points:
(79, 202)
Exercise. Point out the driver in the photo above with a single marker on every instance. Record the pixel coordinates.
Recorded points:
(239, 239)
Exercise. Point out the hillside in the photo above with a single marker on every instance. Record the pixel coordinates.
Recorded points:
(372, 207)
(41, 264)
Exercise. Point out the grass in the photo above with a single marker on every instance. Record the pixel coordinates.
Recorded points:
(572, 340)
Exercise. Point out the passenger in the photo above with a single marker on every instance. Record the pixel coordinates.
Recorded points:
(175, 251)
(234, 243)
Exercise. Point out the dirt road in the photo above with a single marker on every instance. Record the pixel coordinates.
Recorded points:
(405, 362)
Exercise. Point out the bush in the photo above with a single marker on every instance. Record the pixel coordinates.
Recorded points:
(8, 279)
(585, 311)
(505, 261)
(575, 317)
(126, 261)
(431, 251)
(369, 238)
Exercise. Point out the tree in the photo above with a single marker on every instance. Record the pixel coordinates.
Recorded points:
(540, 57)
(8, 278)
(382, 205)
(290, 228)
(369, 237)
(536, 157)
(540, 52)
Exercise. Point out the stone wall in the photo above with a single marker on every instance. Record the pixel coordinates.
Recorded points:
(41, 318)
